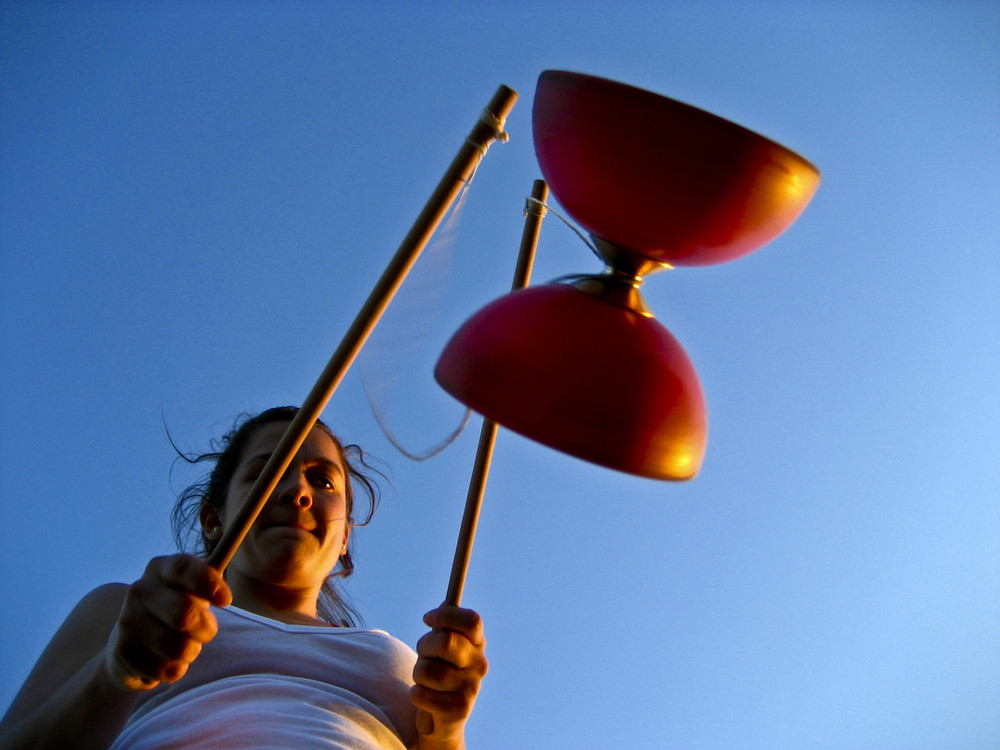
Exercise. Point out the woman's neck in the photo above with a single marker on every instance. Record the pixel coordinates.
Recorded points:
(290, 606)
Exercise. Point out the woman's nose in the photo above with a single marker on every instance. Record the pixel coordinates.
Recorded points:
(295, 491)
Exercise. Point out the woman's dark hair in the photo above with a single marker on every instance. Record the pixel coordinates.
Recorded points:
(226, 453)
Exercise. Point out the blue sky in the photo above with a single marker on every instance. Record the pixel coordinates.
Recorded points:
(196, 198)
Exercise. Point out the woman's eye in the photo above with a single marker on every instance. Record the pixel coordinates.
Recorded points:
(324, 482)
(253, 472)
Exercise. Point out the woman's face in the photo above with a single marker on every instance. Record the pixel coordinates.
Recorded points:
(303, 529)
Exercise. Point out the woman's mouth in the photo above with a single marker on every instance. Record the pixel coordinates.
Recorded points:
(297, 525)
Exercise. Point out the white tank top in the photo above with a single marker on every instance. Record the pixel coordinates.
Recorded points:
(262, 684)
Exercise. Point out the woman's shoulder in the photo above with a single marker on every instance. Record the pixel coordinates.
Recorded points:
(104, 596)
(85, 630)
(95, 614)
(78, 640)
(88, 625)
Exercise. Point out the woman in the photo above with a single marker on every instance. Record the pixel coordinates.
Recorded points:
(266, 656)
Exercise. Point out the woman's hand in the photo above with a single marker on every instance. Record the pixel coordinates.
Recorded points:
(451, 663)
(164, 622)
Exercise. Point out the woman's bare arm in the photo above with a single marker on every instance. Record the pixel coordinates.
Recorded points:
(119, 641)
(67, 701)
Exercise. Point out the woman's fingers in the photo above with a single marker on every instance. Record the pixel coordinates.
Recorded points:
(451, 664)
(191, 574)
(447, 661)
(160, 657)
(463, 621)
(164, 621)
(455, 647)
(447, 708)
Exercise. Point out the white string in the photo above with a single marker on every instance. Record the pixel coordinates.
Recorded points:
(499, 134)
(403, 330)
(571, 225)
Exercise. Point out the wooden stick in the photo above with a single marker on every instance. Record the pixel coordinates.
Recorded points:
(534, 212)
(488, 128)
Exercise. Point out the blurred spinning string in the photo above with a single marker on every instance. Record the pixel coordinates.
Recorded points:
(405, 329)
(396, 344)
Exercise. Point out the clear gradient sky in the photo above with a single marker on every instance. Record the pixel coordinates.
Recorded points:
(196, 198)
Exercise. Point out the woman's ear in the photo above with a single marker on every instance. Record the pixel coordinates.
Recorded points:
(211, 522)
(347, 535)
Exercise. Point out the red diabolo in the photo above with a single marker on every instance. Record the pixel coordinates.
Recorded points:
(665, 179)
(582, 366)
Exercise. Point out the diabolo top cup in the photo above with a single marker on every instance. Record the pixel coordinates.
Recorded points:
(671, 182)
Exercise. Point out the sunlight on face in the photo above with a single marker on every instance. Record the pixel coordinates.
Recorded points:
(303, 529)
